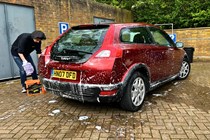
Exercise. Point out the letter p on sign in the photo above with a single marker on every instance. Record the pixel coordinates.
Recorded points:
(63, 26)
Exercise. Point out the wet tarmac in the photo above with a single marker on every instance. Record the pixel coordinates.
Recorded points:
(177, 110)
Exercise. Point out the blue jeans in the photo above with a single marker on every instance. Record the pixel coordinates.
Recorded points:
(23, 76)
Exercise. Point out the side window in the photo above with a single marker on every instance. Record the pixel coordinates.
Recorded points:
(161, 38)
(135, 35)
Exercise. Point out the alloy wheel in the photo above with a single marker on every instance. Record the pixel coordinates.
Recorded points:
(184, 70)
(138, 91)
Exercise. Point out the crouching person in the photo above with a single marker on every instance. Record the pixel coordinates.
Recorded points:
(21, 49)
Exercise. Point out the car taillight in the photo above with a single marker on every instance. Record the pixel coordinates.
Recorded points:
(104, 53)
(46, 54)
(107, 53)
(47, 59)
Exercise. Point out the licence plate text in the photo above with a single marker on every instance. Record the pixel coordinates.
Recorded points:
(72, 75)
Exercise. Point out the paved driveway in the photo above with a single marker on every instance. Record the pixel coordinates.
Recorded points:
(178, 110)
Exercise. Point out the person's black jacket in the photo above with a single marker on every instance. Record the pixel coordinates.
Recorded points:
(24, 44)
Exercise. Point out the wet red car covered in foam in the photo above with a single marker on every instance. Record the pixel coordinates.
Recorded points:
(111, 63)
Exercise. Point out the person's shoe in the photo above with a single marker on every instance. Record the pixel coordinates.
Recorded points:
(23, 90)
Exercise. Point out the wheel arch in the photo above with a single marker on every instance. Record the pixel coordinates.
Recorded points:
(186, 57)
(141, 68)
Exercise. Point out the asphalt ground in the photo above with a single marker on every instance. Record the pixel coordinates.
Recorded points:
(179, 110)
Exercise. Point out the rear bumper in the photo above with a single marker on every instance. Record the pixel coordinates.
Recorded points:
(82, 92)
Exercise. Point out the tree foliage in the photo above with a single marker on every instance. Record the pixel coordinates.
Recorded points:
(182, 13)
(126, 4)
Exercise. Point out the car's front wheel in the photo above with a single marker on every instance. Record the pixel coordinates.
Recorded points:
(135, 91)
(185, 70)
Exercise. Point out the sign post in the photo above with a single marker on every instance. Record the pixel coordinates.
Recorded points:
(172, 35)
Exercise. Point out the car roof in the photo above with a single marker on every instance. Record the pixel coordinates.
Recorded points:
(132, 24)
(113, 24)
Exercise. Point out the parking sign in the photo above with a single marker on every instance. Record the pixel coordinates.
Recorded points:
(173, 37)
(63, 26)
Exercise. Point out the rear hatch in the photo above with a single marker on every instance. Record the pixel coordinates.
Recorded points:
(79, 43)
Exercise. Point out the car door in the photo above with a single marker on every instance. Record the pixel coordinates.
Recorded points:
(162, 53)
(138, 44)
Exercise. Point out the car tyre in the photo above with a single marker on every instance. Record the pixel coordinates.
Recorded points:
(185, 70)
(134, 93)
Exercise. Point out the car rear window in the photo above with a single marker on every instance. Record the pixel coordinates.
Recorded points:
(79, 42)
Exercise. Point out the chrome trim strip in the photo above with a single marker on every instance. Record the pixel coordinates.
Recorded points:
(155, 84)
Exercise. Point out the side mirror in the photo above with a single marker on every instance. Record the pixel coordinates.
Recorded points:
(179, 44)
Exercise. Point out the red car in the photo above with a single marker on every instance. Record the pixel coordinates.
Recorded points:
(112, 63)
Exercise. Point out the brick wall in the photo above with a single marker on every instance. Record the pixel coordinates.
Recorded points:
(49, 12)
(198, 38)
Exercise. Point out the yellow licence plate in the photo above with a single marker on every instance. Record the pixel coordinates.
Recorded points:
(72, 75)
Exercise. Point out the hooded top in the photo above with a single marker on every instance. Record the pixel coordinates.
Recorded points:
(25, 44)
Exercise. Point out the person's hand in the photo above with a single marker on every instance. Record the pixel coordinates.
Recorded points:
(28, 67)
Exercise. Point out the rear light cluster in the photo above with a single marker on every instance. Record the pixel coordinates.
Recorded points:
(46, 54)
(104, 53)
(107, 53)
